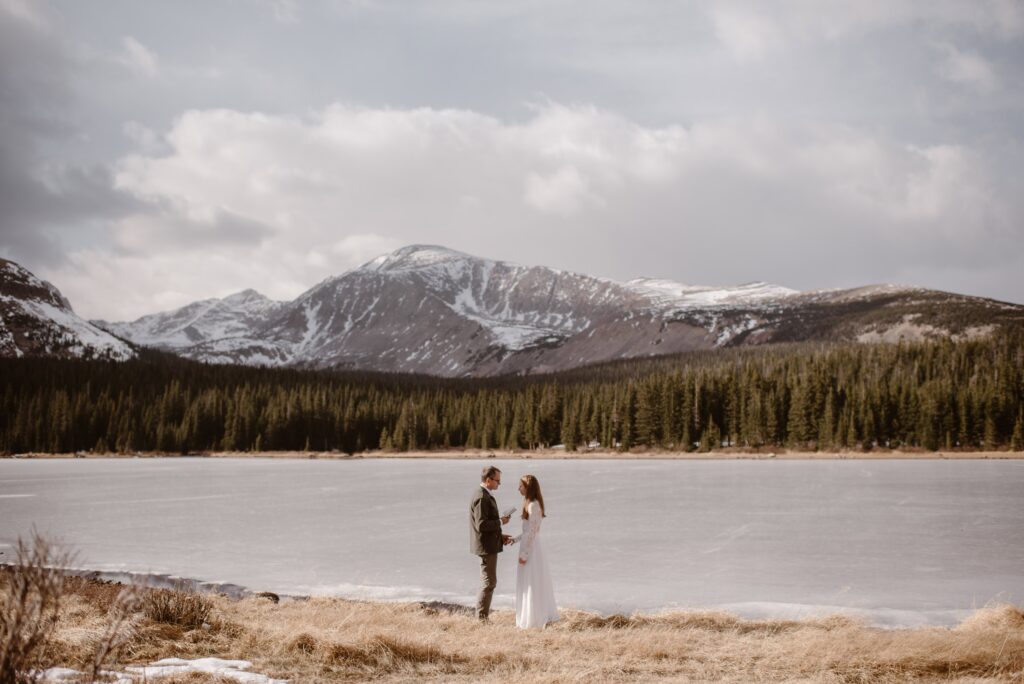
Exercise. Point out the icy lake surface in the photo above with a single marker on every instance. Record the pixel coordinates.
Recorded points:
(899, 542)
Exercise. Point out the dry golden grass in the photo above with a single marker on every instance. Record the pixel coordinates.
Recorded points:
(332, 640)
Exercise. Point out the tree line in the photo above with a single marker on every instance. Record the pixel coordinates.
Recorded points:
(932, 395)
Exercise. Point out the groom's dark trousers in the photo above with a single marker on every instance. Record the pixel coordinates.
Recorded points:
(485, 541)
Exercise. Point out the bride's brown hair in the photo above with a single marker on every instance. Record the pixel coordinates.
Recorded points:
(532, 494)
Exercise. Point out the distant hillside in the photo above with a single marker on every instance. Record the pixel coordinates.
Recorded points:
(432, 310)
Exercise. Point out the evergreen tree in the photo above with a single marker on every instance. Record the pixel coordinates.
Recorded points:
(1017, 439)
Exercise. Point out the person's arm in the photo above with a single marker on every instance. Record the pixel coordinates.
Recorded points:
(480, 523)
(530, 533)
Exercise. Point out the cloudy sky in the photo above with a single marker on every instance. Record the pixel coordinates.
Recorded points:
(155, 153)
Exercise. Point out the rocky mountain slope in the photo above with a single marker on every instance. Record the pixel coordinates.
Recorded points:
(428, 309)
(36, 320)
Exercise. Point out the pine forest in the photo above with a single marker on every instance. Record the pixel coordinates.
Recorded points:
(930, 395)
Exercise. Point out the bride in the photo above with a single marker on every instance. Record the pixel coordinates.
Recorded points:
(535, 596)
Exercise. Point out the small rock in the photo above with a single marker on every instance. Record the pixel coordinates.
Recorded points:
(436, 607)
(270, 596)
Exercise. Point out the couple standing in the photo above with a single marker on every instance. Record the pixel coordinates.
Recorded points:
(535, 596)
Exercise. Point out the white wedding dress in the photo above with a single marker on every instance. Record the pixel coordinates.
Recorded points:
(535, 595)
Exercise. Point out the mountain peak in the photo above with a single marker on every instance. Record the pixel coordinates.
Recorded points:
(37, 320)
(18, 281)
(248, 296)
(412, 257)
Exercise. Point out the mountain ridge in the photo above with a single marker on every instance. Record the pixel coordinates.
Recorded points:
(434, 310)
(427, 309)
(36, 319)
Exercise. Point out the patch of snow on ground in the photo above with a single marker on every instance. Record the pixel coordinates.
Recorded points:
(58, 674)
(66, 674)
(232, 669)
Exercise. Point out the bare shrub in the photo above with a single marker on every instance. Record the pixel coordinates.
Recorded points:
(119, 631)
(186, 609)
(29, 607)
(101, 594)
(304, 643)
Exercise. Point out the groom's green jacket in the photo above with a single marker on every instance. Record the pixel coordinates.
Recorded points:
(484, 524)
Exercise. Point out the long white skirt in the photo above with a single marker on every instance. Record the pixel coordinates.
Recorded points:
(535, 595)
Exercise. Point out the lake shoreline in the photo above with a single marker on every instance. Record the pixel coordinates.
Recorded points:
(561, 454)
(873, 618)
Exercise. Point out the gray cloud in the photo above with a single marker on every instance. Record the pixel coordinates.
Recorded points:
(48, 204)
(199, 151)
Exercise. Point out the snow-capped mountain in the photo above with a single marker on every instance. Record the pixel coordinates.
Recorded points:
(428, 309)
(36, 320)
(210, 319)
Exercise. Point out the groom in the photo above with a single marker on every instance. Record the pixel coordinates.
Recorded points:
(485, 537)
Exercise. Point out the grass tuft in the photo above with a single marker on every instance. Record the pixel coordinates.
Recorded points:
(186, 609)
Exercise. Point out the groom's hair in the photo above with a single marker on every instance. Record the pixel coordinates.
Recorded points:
(489, 472)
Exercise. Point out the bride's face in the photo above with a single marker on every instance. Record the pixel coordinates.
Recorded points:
(522, 488)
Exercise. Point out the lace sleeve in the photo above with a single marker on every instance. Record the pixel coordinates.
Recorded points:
(531, 531)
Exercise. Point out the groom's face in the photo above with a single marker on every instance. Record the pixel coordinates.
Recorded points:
(493, 482)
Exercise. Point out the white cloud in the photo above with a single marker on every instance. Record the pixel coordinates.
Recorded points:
(563, 192)
(732, 140)
(279, 203)
(968, 68)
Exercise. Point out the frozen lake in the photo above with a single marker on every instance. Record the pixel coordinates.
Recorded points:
(900, 542)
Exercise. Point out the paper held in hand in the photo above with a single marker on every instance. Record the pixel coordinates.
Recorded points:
(507, 513)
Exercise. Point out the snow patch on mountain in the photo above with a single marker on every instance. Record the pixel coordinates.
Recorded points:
(59, 331)
(867, 292)
(670, 294)
(84, 333)
(13, 270)
(8, 345)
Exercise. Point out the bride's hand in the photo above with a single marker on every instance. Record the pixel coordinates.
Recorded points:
(522, 561)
